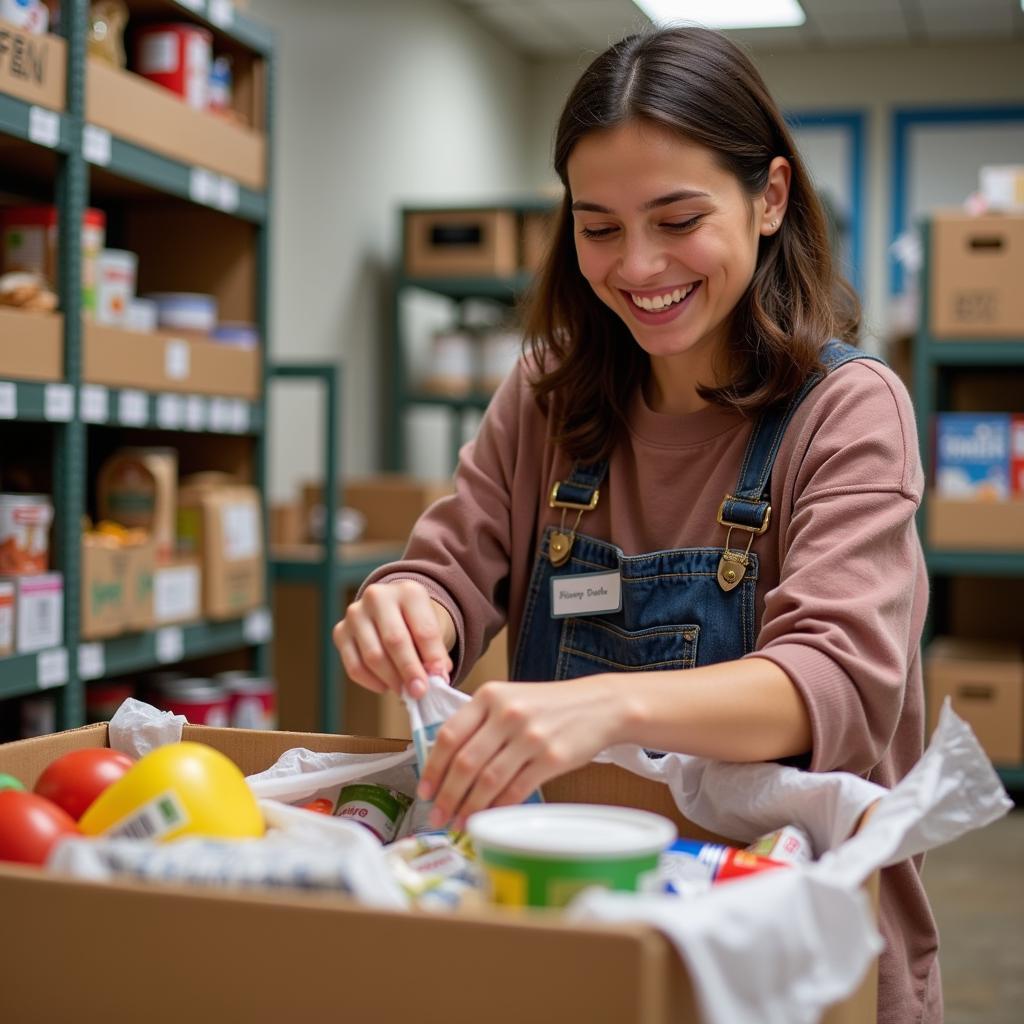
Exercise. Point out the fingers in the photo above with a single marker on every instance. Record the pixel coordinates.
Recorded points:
(450, 738)
(498, 776)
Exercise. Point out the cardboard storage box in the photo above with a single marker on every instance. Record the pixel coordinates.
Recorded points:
(31, 345)
(976, 269)
(986, 682)
(168, 362)
(279, 955)
(32, 67)
(461, 243)
(137, 110)
(137, 488)
(38, 611)
(104, 588)
(975, 525)
(221, 523)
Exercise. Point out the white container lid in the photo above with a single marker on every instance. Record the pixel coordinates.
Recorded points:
(571, 831)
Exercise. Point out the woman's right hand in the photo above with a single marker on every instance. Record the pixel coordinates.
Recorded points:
(393, 637)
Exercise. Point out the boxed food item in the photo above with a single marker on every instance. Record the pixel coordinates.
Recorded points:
(38, 611)
(6, 618)
(176, 56)
(220, 521)
(137, 488)
(32, 66)
(177, 592)
(972, 455)
(461, 243)
(985, 680)
(25, 521)
(30, 245)
(104, 586)
(1017, 457)
(115, 286)
(141, 568)
(975, 276)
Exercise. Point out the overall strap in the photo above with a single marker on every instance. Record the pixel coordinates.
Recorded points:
(580, 491)
(748, 506)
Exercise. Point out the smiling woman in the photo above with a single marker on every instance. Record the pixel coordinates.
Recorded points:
(694, 500)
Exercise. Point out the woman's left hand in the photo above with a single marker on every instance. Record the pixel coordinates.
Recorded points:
(513, 737)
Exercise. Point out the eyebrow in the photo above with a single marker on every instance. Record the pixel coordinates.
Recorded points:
(651, 204)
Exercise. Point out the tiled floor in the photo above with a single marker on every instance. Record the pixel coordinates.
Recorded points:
(976, 887)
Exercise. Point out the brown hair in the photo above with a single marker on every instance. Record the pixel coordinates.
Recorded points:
(698, 84)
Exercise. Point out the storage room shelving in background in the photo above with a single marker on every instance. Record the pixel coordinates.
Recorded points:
(977, 581)
(188, 191)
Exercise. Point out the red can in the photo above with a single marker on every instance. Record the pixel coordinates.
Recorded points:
(176, 56)
(201, 701)
(253, 700)
(723, 863)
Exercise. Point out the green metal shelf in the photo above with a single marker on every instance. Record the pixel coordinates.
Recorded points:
(24, 674)
(975, 563)
(32, 123)
(166, 410)
(348, 571)
(225, 18)
(980, 353)
(172, 177)
(473, 401)
(505, 289)
(1012, 776)
(36, 401)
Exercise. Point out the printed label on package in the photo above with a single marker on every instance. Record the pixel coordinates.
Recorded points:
(52, 668)
(257, 627)
(177, 359)
(170, 644)
(160, 816)
(133, 408)
(195, 413)
(170, 412)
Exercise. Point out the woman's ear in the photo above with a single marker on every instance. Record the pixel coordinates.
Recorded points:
(776, 195)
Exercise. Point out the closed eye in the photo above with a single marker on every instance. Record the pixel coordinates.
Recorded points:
(685, 225)
(596, 232)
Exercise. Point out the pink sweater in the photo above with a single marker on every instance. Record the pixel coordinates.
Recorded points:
(842, 587)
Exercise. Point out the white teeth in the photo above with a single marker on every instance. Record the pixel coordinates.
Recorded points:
(659, 302)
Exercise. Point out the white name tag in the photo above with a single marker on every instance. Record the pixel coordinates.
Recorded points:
(588, 593)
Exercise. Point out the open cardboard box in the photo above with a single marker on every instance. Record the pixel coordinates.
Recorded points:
(169, 951)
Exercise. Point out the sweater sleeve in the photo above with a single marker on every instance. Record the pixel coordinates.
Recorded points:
(459, 548)
(845, 618)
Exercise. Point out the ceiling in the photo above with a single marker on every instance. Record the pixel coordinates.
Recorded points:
(545, 28)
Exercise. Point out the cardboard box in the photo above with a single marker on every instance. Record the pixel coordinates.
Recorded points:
(510, 967)
(142, 112)
(31, 345)
(137, 488)
(104, 588)
(38, 611)
(32, 67)
(139, 607)
(986, 682)
(461, 243)
(6, 618)
(168, 362)
(222, 524)
(976, 267)
(958, 525)
(391, 502)
(177, 592)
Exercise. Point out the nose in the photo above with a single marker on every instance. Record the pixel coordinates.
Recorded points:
(641, 259)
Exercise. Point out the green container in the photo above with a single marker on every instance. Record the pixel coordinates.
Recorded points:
(542, 855)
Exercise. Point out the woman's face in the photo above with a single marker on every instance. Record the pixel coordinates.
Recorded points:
(665, 236)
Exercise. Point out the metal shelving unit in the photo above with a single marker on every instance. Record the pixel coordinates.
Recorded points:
(933, 357)
(72, 406)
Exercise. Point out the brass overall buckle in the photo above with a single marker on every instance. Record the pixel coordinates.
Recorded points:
(732, 566)
(560, 547)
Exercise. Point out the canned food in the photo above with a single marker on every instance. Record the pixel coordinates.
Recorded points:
(25, 533)
(379, 808)
(201, 701)
(176, 56)
(252, 701)
(721, 863)
(103, 699)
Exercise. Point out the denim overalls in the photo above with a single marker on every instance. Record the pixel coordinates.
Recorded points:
(679, 609)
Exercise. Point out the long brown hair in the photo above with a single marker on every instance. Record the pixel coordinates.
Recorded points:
(701, 86)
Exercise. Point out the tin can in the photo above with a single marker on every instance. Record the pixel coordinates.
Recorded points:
(252, 701)
(378, 808)
(25, 533)
(722, 863)
(178, 57)
(201, 701)
(103, 699)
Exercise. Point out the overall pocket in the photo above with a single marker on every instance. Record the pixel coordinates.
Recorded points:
(588, 646)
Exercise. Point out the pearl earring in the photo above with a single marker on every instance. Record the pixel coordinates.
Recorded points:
(775, 224)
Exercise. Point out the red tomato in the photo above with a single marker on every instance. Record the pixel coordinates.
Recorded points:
(30, 825)
(74, 780)
(321, 805)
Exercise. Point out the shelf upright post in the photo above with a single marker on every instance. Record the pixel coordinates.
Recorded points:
(332, 696)
(70, 446)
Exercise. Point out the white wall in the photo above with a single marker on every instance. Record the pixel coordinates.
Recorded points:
(377, 104)
(872, 80)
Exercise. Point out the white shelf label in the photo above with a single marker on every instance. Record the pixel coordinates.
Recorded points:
(43, 127)
(203, 186)
(258, 626)
(221, 416)
(195, 413)
(8, 400)
(133, 408)
(52, 668)
(222, 13)
(170, 644)
(240, 417)
(94, 403)
(96, 145)
(91, 661)
(170, 412)
(227, 195)
(59, 403)
(177, 359)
